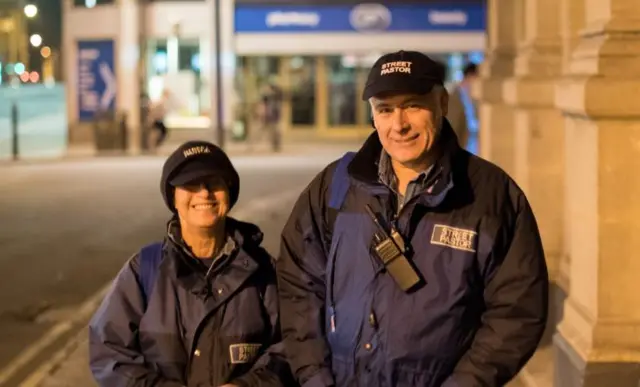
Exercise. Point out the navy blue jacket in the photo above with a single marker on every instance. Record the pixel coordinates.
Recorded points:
(475, 319)
(194, 332)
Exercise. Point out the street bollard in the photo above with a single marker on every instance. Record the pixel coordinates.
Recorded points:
(123, 132)
(14, 131)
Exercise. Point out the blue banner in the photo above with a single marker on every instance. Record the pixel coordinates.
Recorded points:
(366, 17)
(97, 85)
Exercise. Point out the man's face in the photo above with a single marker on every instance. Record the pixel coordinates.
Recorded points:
(408, 124)
(202, 203)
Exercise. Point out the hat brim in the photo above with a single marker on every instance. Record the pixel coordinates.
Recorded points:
(186, 177)
(399, 84)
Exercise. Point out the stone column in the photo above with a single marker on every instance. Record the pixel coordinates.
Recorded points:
(496, 119)
(572, 15)
(598, 340)
(227, 68)
(227, 11)
(539, 130)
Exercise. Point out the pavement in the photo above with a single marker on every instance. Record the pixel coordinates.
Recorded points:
(68, 226)
(301, 144)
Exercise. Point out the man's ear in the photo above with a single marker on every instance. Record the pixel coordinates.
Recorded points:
(373, 123)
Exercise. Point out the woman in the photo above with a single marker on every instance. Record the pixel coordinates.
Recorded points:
(199, 309)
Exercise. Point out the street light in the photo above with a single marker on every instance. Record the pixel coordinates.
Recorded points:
(18, 68)
(45, 51)
(36, 40)
(30, 10)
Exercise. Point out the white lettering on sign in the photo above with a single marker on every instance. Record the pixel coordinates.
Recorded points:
(286, 19)
(396, 67)
(89, 54)
(448, 18)
(89, 98)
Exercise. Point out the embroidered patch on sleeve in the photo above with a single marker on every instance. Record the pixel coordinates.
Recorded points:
(457, 238)
(243, 353)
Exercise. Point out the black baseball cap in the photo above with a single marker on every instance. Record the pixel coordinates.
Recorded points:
(403, 72)
(196, 160)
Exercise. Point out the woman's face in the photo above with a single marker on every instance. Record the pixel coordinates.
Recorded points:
(202, 203)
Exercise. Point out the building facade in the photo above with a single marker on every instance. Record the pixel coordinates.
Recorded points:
(14, 39)
(559, 112)
(318, 52)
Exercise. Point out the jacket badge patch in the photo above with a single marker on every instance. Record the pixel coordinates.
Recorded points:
(457, 238)
(243, 353)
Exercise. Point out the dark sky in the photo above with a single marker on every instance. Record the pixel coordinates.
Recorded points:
(48, 23)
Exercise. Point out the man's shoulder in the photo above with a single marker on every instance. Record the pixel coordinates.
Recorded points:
(321, 182)
(489, 179)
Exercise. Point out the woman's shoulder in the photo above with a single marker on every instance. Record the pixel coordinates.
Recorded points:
(249, 238)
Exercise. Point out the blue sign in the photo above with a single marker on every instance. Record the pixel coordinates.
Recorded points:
(369, 17)
(96, 78)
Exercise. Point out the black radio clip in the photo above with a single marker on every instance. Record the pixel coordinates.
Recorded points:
(390, 249)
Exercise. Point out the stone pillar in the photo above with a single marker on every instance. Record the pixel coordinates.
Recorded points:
(572, 18)
(496, 118)
(128, 70)
(539, 130)
(227, 12)
(227, 66)
(598, 340)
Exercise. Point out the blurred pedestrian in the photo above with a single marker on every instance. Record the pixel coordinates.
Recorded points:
(157, 115)
(463, 110)
(269, 110)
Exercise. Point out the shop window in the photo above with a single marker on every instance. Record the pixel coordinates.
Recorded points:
(303, 90)
(174, 64)
(189, 56)
(364, 67)
(267, 68)
(160, 59)
(342, 90)
(253, 74)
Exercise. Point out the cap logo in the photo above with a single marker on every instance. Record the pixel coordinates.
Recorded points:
(402, 66)
(196, 150)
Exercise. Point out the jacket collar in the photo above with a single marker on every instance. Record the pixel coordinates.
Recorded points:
(246, 239)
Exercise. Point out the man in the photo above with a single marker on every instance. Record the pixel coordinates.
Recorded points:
(462, 109)
(157, 115)
(271, 105)
(461, 298)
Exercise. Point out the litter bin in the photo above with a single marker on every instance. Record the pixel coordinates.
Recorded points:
(145, 104)
(110, 131)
